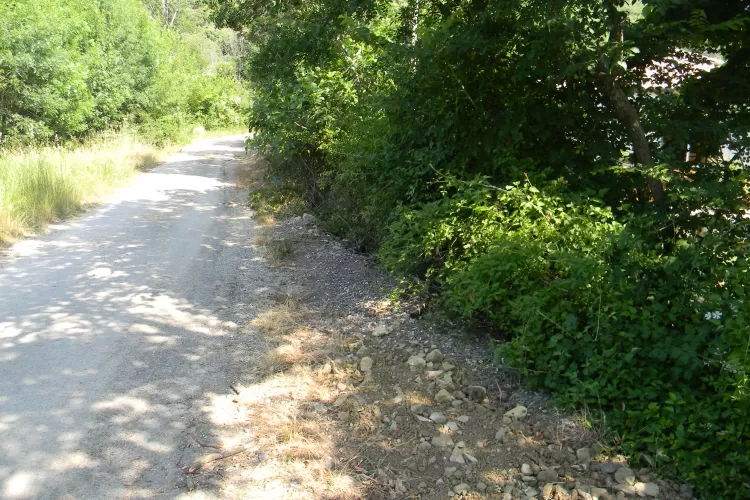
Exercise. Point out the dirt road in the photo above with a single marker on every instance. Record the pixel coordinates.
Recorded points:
(118, 328)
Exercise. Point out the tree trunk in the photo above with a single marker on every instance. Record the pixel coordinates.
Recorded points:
(625, 110)
(628, 115)
(165, 12)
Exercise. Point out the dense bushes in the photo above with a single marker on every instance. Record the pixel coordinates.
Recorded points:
(71, 68)
(601, 315)
(499, 150)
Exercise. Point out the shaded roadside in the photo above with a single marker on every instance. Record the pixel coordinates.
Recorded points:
(354, 398)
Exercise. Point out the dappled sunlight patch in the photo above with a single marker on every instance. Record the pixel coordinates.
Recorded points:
(19, 485)
(134, 406)
(74, 460)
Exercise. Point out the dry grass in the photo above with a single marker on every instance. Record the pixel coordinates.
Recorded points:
(276, 250)
(290, 343)
(296, 436)
(42, 185)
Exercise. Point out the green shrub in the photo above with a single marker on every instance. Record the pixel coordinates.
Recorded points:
(602, 314)
(532, 167)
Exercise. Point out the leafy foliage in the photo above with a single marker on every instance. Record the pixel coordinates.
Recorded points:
(569, 171)
(70, 68)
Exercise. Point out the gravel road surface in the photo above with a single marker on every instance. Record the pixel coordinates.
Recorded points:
(118, 328)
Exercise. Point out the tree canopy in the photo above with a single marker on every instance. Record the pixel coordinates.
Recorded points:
(69, 68)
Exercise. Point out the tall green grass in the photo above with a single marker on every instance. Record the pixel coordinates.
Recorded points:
(42, 185)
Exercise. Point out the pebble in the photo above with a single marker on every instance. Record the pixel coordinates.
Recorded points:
(418, 408)
(625, 475)
(438, 417)
(415, 363)
(340, 400)
(500, 434)
(434, 356)
(463, 419)
(443, 397)
(583, 455)
(457, 456)
(624, 488)
(597, 492)
(547, 476)
(561, 492)
(476, 393)
(366, 364)
(517, 413)
(647, 489)
(583, 495)
(481, 487)
(442, 441)
(461, 488)
(607, 468)
(526, 469)
(547, 490)
(381, 330)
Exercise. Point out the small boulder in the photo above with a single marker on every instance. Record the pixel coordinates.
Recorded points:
(647, 489)
(625, 475)
(443, 397)
(597, 492)
(442, 441)
(438, 417)
(517, 413)
(526, 469)
(547, 476)
(461, 488)
(457, 456)
(434, 356)
(476, 393)
(416, 363)
(481, 487)
(548, 490)
(418, 408)
(627, 489)
(500, 434)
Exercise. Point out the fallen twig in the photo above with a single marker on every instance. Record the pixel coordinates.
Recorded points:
(217, 446)
(201, 462)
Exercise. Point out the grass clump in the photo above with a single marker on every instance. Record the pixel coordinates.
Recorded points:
(42, 185)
